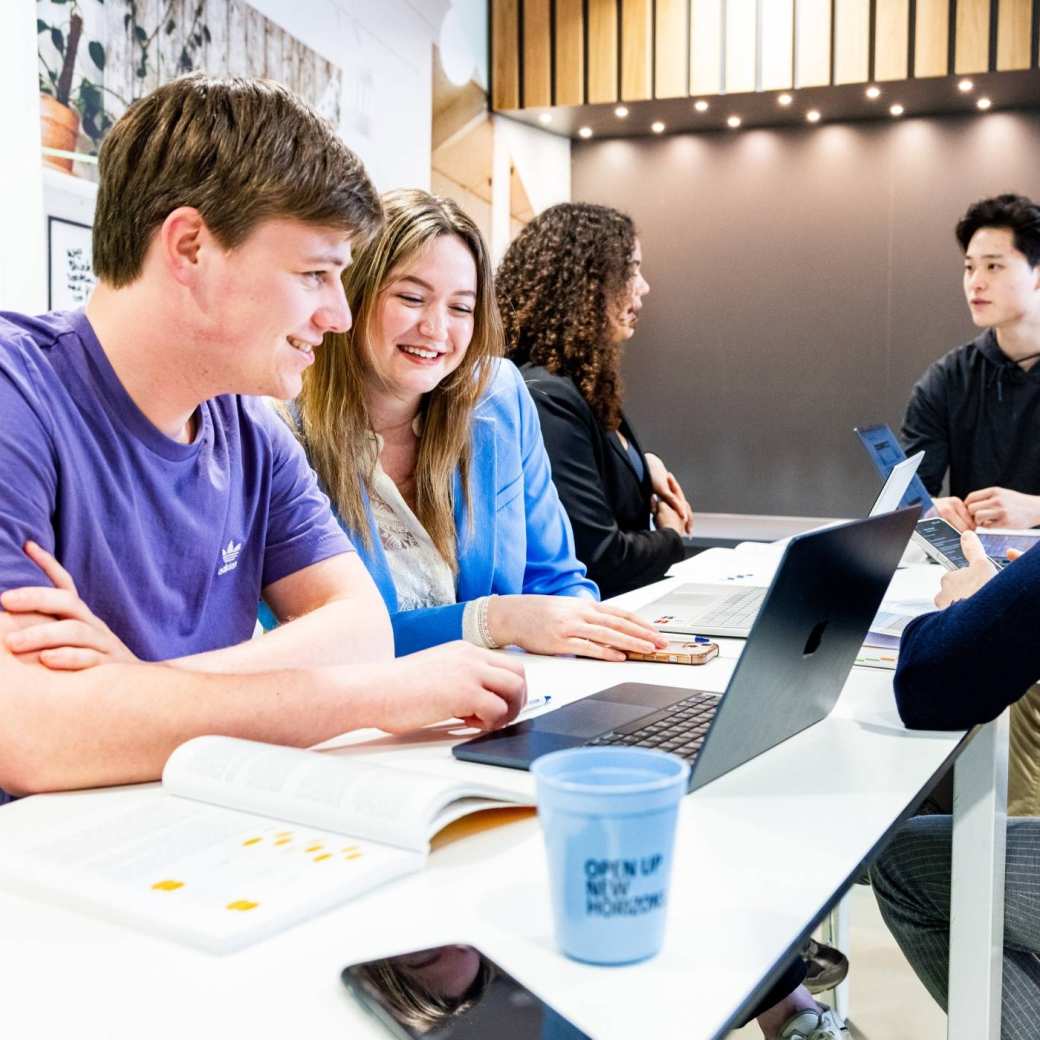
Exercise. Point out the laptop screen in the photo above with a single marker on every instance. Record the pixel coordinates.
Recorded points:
(886, 452)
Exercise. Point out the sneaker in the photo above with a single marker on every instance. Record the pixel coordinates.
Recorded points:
(821, 1024)
(825, 966)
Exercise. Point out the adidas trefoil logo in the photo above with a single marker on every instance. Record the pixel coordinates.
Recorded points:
(230, 554)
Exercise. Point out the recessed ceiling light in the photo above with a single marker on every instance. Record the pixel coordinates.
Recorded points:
(813, 115)
(657, 126)
(701, 106)
(585, 131)
(983, 103)
(965, 86)
(545, 118)
(897, 110)
(621, 111)
(873, 92)
(733, 122)
(784, 99)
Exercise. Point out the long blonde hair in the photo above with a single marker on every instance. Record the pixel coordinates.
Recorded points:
(334, 418)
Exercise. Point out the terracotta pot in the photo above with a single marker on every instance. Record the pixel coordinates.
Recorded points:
(59, 127)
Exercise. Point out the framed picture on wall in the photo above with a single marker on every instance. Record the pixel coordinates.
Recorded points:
(70, 269)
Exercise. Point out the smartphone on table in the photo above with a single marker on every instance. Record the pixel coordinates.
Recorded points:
(942, 542)
(683, 650)
(453, 992)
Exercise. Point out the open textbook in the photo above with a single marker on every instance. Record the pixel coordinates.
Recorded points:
(244, 840)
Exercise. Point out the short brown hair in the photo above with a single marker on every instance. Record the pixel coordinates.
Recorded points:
(240, 151)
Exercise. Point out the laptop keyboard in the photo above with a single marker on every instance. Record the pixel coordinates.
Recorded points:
(737, 611)
(679, 728)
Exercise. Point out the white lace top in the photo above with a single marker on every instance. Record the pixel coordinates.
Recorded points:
(422, 577)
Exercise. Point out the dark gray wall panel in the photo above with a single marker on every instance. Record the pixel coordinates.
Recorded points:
(801, 280)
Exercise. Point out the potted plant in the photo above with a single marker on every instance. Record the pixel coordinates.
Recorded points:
(63, 110)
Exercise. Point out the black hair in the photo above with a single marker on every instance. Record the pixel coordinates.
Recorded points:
(1021, 216)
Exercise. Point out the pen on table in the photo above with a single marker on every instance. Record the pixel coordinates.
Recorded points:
(533, 703)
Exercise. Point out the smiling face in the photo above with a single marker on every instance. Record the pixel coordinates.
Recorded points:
(626, 315)
(999, 285)
(272, 299)
(423, 321)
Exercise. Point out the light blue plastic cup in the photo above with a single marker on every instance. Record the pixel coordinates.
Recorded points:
(608, 817)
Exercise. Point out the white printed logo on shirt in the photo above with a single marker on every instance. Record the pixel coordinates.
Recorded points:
(230, 556)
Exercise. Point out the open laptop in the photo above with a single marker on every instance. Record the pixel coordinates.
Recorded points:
(819, 606)
(886, 452)
(730, 610)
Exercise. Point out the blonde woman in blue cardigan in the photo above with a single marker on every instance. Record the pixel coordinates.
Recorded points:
(428, 444)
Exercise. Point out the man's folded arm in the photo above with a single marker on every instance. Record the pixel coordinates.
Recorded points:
(332, 614)
(118, 723)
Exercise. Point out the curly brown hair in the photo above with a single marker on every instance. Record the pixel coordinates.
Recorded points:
(558, 286)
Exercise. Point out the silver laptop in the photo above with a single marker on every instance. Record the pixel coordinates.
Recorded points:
(730, 610)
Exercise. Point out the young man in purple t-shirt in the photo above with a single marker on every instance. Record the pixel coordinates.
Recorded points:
(225, 214)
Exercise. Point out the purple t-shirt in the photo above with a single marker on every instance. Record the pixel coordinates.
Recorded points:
(169, 543)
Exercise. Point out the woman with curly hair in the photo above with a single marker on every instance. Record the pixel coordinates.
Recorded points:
(570, 289)
(428, 444)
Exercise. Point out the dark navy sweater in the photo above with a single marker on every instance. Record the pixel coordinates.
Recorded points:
(964, 665)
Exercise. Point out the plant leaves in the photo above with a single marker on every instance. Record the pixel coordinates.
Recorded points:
(41, 26)
(97, 54)
(140, 35)
(207, 34)
(58, 39)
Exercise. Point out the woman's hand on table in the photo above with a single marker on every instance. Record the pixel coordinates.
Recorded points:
(67, 636)
(565, 625)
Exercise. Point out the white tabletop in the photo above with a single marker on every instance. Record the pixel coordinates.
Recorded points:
(761, 855)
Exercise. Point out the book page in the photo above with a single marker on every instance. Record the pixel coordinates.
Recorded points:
(211, 877)
(338, 793)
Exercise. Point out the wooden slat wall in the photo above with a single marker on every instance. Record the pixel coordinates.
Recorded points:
(602, 37)
(812, 51)
(706, 46)
(851, 41)
(637, 59)
(971, 53)
(537, 56)
(505, 48)
(634, 50)
(570, 52)
(671, 43)
(932, 38)
(1014, 32)
(740, 46)
(891, 39)
(776, 52)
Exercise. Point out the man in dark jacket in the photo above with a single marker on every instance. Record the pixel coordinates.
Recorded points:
(974, 412)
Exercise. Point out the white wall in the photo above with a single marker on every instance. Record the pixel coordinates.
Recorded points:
(22, 258)
(385, 48)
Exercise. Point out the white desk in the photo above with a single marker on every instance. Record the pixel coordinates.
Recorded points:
(761, 856)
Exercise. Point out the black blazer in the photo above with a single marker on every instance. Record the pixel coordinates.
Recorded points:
(608, 505)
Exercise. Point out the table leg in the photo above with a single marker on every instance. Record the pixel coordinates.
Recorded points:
(977, 885)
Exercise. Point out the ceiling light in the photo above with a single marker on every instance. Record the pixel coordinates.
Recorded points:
(621, 111)
(733, 122)
(873, 92)
(701, 106)
(983, 103)
(965, 86)
(585, 131)
(784, 99)
(545, 118)
(657, 126)
(813, 115)
(897, 110)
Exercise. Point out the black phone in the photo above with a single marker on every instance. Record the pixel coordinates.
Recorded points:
(453, 992)
(942, 542)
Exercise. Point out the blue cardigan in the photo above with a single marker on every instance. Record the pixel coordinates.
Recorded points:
(519, 540)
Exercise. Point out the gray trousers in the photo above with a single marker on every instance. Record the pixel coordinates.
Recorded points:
(911, 879)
